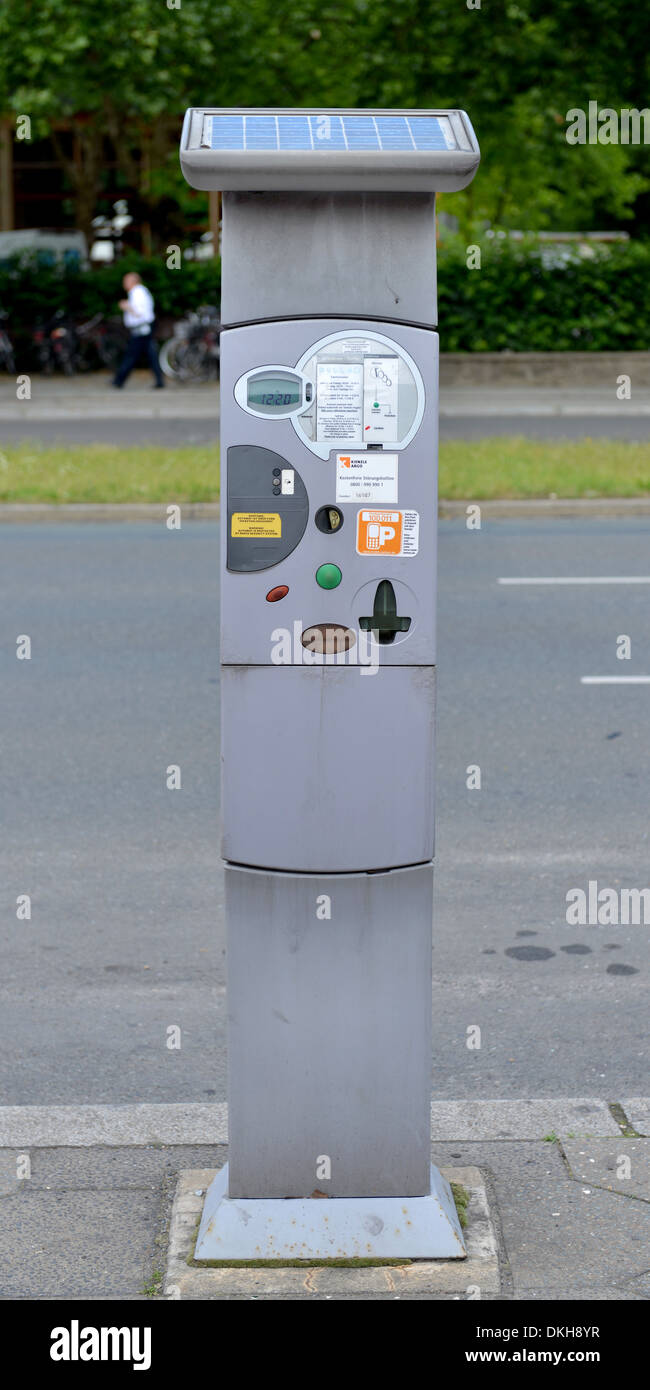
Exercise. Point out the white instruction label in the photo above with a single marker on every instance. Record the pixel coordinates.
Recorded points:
(368, 477)
(380, 383)
(387, 532)
(339, 401)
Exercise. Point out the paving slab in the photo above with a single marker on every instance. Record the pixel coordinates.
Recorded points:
(637, 1110)
(623, 1166)
(555, 1237)
(75, 1244)
(109, 1168)
(424, 1278)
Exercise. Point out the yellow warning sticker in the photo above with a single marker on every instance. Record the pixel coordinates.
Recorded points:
(256, 525)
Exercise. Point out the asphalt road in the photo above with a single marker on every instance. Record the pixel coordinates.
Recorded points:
(190, 430)
(126, 935)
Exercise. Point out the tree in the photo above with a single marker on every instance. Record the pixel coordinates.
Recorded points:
(123, 73)
(120, 73)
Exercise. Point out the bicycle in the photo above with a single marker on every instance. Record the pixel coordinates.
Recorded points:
(192, 353)
(7, 358)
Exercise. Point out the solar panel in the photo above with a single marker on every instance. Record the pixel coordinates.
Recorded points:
(281, 149)
(328, 132)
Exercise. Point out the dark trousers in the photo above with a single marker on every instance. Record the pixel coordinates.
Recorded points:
(139, 344)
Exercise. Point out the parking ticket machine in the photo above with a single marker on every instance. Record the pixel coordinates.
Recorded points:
(329, 408)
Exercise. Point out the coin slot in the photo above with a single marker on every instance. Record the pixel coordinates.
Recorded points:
(329, 519)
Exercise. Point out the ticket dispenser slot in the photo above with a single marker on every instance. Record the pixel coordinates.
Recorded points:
(385, 621)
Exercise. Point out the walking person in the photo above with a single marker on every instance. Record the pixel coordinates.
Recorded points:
(138, 310)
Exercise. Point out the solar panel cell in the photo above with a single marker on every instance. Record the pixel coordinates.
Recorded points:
(361, 133)
(227, 133)
(329, 132)
(427, 133)
(294, 132)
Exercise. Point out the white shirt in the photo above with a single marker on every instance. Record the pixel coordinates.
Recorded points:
(140, 313)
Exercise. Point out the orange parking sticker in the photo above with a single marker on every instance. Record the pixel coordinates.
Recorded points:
(387, 532)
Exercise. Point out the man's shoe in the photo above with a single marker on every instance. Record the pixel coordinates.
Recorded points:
(158, 386)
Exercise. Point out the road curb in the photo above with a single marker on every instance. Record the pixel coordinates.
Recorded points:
(553, 508)
(31, 512)
(117, 1126)
(27, 513)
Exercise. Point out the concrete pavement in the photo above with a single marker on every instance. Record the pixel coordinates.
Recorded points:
(87, 408)
(565, 1218)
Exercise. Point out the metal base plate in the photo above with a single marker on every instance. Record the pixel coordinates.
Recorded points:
(334, 1228)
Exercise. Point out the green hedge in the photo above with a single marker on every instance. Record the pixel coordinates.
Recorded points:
(32, 287)
(514, 301)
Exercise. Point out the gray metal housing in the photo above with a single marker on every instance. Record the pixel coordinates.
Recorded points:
(329, 1033)
(367, 254)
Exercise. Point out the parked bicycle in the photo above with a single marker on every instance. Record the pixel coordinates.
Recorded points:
(7, 358)
(192, 354)
(56, 344)
(101, 342)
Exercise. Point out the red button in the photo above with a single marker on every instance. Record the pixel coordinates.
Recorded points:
(280, 591)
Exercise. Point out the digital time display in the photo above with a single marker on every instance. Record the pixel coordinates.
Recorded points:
(273, 393)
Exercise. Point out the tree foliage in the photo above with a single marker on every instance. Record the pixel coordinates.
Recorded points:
(127, 69)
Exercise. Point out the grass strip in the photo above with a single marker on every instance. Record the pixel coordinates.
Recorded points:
(482, 469)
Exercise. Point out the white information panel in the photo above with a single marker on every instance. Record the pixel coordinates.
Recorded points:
(368, 477)
(339, 400)
(380, 386)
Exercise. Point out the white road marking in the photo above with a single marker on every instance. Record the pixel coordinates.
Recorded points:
(591, 579)
(580, 579)
(615, 680)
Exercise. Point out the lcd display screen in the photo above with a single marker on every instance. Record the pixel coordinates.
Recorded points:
(273, 393)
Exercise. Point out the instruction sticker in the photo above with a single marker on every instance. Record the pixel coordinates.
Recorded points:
(388, 533)
(370, 477)
(256, 525)
(339, 401)
(380, 396)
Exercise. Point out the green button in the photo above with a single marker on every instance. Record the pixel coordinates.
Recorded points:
(328, 576)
